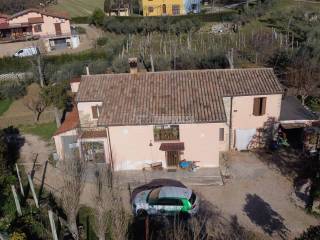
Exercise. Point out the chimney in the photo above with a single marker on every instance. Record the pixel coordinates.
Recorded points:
(87, 69)
(133, 62)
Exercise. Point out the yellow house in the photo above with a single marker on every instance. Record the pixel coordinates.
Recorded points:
(163, 7)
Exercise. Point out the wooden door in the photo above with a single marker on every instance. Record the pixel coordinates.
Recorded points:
(57, 26)
(164, 9)
(173, 158)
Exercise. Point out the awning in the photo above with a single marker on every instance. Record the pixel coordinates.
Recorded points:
(94, 134)
(169, 147)
(293, 125)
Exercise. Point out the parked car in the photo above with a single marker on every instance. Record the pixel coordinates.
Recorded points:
(27, 52)
(165, 200)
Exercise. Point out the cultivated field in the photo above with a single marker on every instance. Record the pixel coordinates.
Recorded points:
(78, 8)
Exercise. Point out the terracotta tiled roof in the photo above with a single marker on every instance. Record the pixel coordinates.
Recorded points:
(71, 122)
(94, 134)
(35, 20)
(193, 96)
(2, 15)
(75, 79)
(64, 15)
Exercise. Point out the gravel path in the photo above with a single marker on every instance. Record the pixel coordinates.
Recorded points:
(260, 198)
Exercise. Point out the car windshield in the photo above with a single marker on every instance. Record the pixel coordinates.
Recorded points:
(154, 195)
(192, 198)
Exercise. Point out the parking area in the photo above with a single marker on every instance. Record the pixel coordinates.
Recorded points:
(257, 196)
(260, 197)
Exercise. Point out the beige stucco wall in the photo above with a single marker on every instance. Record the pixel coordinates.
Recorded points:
(85, 113)
(242, 113)
(131, 150)
(58, 141)
(74, 86)
(48, 27)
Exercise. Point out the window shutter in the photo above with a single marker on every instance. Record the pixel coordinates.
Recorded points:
(263, 105)
(94, 111)
(100, 110)
(221, 134)
(256, 106)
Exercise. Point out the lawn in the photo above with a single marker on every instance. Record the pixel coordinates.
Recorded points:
(4, 105)
(43, 130)
(78, 8)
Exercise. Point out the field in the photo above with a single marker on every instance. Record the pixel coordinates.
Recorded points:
(78, 8)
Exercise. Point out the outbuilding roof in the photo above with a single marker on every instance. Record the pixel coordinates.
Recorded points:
(71, 122)
(63, 15)
(192, 96)
(293, 110)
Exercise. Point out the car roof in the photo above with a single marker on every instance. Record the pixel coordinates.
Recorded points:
(175, 192)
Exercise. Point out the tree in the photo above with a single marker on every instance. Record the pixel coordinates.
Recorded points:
(74, 176)
(3, 153)
(33, 101)
(103, 202)
(304, 77)
(108, 6)
(97, 17)
(56, 95)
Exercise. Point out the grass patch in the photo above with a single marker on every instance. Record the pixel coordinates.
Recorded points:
(4, 105)
(78, 8)
(43, 130)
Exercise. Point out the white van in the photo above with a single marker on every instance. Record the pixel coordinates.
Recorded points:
(27, 52)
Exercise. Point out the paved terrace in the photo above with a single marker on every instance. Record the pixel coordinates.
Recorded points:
(199, 177)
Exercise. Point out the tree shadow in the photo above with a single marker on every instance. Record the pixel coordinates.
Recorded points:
(208, 223)
(261, 214)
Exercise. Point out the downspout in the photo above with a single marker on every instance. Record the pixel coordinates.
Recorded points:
(110, 149)
(230, 122)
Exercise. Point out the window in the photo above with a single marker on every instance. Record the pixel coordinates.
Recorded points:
(150, 9)
(259, 106)
(96, 111)
(37, 28)
(166, 132)
(175, 10)
(169, 202)
(221, 134)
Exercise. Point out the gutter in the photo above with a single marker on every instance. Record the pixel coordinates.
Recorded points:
(110, 149)
(230, 122)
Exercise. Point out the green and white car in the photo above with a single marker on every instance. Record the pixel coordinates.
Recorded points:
(165, 200)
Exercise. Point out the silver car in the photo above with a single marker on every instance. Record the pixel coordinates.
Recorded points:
(165, 200)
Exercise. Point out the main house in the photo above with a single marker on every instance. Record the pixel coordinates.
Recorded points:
(53, 28)
(170, 8)
(131, 120)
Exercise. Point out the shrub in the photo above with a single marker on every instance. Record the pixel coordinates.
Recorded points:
(18, 236)
(101, 41)
(97, 17)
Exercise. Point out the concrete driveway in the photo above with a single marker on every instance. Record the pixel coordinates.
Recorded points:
(260, 198)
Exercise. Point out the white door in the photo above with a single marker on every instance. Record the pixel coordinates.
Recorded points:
(243, 138)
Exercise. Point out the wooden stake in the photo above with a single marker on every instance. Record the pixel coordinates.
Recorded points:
(53, 225)
(16, 200)
(19, 178)
(33, 191)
